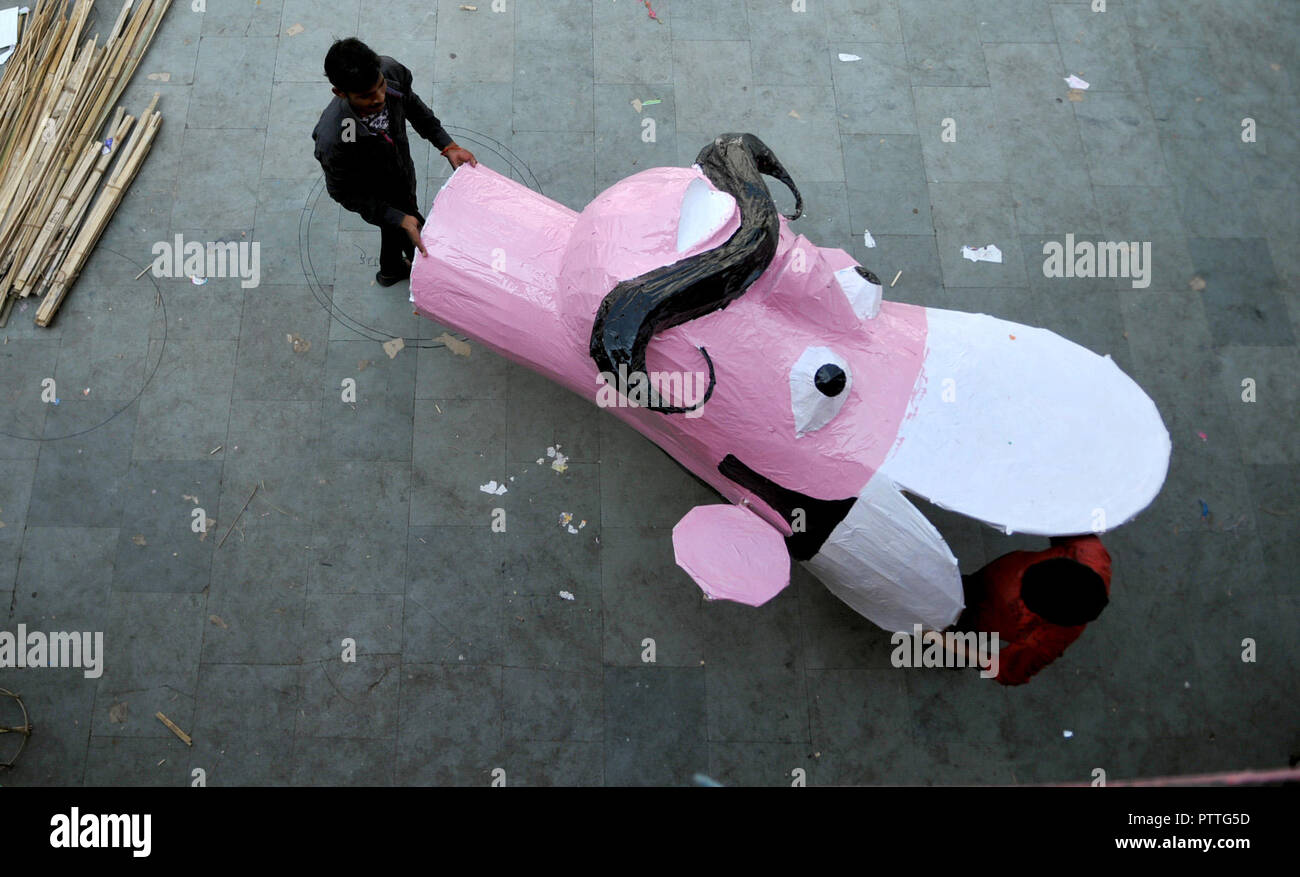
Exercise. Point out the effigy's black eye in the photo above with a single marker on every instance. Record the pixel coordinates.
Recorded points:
(830, 379)
(867, 275)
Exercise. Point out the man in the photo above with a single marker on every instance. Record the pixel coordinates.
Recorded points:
(361, 144)
(1038, 601)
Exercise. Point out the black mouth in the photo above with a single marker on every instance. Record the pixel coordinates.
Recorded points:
(820, 516)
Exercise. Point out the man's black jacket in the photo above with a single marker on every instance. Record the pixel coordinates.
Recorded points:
(364, 172)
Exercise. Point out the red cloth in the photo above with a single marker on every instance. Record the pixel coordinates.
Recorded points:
(994, 595)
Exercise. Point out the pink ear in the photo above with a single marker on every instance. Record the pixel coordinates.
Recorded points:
(732, 554)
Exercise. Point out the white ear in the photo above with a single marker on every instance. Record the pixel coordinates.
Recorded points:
(863, 295)
(704, 211)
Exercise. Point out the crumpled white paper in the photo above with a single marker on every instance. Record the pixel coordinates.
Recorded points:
(982, 254)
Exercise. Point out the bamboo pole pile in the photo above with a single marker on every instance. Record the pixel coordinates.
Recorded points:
(59, 184)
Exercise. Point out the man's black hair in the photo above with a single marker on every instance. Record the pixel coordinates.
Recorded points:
(351, 66)
(1064, 591)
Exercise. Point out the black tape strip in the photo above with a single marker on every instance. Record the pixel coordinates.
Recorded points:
(636, 310)
(820, 515)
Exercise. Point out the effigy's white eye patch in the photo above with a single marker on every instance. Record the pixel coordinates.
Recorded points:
(820, 381)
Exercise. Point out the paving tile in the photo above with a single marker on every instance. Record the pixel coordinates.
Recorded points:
(896, 203)
(722, 20)
(258, 596)
(754, 703)
(443, 707)
(1120, 137)
(727, 103)
(204, 200)
(1241, 292)
(185, 409)
(125, 761)
(629, 142)
(974, 154)
(1016, 21)
(375, 422)
(552, 706)
(296, 107)
(260, 700)
(350, 699)
(943, 42)
(238, 19)
(473, 48)
(454, 600)
(358, 529)
(553, 85)
(646, 597)
(85, 456)
(343, 761)
(976, 214)
(372, 622)
(458, 447)
(151, 664)
(873, 95)
(773, 30)
(550, 632)
(655, 726)
(542, 415)
(226, 59)
(626, 49)
(235, 758)
(16, 477)
(1272, 488)
(1262, 424)
(860, 720)
(763, 764)
(301, 56)
(1097, 47)
(553, 764)
(398, 20)
(158, 548)
(270, 364)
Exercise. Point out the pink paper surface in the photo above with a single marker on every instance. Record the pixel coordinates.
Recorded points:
(732, 554)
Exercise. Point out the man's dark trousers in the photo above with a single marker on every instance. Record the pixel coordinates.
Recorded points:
(395, 244)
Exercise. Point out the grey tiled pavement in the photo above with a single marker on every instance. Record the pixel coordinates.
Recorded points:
(368, 524)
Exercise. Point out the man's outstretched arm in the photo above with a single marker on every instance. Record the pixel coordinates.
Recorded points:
(427, 126)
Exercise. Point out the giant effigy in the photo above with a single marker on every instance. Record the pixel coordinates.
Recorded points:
(682, 302)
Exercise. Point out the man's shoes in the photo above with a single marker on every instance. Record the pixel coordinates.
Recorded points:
(389, 279)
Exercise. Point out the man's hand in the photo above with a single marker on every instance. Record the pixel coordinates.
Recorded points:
(458, 156)
(412, 227)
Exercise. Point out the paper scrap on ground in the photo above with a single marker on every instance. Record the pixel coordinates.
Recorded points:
(566, 595)
(559, 464)
(455, 345)
(394, 347)
(867, 240)
(982, 254)
(493, 488)
(1075, 82)
(160, 77)
(9, 26)
(845, 57)
(294, 30)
